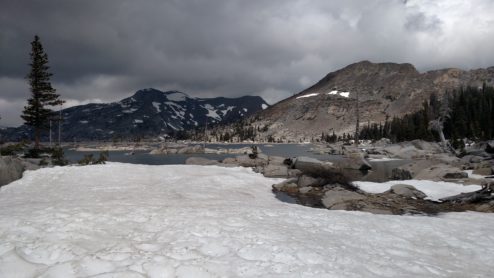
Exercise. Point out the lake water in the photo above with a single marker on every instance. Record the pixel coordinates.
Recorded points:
(380, 170)
(143, 157)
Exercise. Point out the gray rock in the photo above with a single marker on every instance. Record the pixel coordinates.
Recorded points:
(276, 160)
(275, 171)
(200, 161)
(336, 198)
(400, 174)
(456, 175)
(305, 190)
(408, 191)
(294, 173)
(11, 169)
(246, 161)
(191, 149)
(305, 180)
(354, 162)
(282, 186)
(311, 165)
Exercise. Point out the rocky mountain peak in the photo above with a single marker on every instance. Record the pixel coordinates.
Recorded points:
(385, 90)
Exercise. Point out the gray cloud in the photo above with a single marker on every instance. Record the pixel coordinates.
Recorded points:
(106, 50)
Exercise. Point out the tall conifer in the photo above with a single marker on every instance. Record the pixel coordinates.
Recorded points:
(37, 113)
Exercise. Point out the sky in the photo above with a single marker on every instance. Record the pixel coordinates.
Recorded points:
(103, 51)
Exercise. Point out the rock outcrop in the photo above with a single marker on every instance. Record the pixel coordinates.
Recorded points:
(11, 169)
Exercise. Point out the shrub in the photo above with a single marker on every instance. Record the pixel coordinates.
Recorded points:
(90, 160)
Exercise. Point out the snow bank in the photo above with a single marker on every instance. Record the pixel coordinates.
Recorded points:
(434, 190)
(122, 220)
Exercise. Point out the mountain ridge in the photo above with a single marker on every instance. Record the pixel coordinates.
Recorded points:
(147, 113)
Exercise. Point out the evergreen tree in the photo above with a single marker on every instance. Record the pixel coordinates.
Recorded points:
(37, 112)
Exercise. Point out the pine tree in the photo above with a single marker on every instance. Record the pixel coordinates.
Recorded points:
(37, 112)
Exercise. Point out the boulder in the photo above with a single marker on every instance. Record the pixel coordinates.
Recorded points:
(292, 173)
(408, 191)
(456, 175)
(274, 171)
(305, 180)
(286, 185)
(200, 161)
(191, 149)
(336, 198)
(11, 169)
(305, 190)
(400, 174)
(313, 166)
(489, 148)
(276, 160)
(353, 163)
(246, 161)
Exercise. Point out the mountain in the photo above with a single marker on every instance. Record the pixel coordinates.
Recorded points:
(149, 112)
(384, 90)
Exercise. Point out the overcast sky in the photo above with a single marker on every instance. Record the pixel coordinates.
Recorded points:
(106, 50)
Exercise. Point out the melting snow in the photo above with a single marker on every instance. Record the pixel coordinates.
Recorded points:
(434, 190)
(122, 220)
(333, 93)
(309, 95)
(157, 106)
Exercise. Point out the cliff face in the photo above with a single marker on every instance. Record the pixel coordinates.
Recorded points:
(383, 89)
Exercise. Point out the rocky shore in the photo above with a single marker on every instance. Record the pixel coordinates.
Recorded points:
(323, 185)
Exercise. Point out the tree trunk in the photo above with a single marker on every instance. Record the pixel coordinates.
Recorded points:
(36, 138)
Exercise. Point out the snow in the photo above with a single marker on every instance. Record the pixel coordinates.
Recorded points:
(383, 159)
(344, 94)
(434, 190)
(264, 106)
(157, 106)
(211, 112)
(123, 220)
(245, 109)
(177, 96)
(474, 176)
(83, 122)
(228, 109)
(129, 111)
(308, 95)
(137, 121)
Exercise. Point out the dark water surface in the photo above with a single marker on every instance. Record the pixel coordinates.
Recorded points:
(381, 170)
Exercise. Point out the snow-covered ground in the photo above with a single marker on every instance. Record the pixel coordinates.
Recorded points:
(434, 190)
(122, 220)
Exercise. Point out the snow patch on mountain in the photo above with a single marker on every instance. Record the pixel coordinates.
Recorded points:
(176, 96)
(308, 95)
(211, 112)
(157, 106)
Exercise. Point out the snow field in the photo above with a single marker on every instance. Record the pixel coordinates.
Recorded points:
(122, 220)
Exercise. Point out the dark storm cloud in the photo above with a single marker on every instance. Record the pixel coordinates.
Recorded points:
(105, 50)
